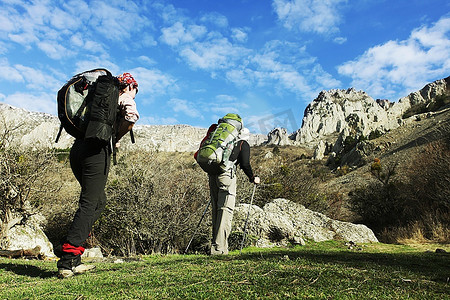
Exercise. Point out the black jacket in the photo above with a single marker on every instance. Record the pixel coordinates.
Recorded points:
(241, 154)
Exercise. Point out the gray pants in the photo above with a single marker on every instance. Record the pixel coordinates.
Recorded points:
(223, 195)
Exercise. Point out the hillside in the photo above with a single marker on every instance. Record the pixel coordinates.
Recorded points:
(157, 176)
(401, 145)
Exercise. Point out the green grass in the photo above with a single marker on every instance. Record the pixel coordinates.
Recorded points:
(327, 270)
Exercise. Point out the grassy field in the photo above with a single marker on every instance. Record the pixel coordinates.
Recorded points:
(327, 270)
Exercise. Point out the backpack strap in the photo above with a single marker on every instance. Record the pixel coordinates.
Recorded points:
(132, 136)
(59, 133)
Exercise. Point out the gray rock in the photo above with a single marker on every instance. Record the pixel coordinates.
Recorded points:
(345, 112)
(28, 234)
(319, 152)
(92, 253)
(282, 221)
(279, 137)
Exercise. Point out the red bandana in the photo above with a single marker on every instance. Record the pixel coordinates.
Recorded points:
(127, 79)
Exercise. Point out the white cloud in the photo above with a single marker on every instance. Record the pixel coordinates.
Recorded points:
(61, 20)
(286, 67)
(214, 54)
(185, 107)
(153, 82)
(340, 40)
(398, 67)
(43, 102)
(50, 26)
(36, 79)
(179, 34)
(94, 62)
(6, 23)
(147, 60)
(116, 22)
(216, 19)
(8, 73)
(77, 41)
(239, 35)
(320, 17)
(224, 104)
(54, 50)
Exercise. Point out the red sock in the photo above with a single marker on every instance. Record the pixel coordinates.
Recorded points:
(68, 248)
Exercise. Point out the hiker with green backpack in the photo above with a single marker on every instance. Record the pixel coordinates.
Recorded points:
(97, 109)
(224, 147)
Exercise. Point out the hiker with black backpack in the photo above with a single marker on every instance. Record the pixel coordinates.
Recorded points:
(221, 151)
(111, 113)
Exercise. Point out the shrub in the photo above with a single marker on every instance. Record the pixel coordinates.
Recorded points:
(375, 134)
(27, 181)
(420, 198)
(290, 180)
(154, 204)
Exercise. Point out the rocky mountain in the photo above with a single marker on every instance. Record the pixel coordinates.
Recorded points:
(342, 113)
(327, 121)
(39, 130)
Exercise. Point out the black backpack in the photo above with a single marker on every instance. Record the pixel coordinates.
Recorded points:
(88, 105)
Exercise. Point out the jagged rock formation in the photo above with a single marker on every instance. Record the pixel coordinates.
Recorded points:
(351, 111)
(336, 114)
(281, 222)
(279, 137)
(348, 111)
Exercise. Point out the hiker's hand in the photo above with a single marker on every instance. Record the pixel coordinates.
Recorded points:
(117, 145)
(256, 180)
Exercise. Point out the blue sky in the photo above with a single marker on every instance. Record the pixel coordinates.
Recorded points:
(198, 60)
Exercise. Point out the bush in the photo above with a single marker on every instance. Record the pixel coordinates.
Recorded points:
(154, 204)
(420, 198)
(27, 181)
(290, 180)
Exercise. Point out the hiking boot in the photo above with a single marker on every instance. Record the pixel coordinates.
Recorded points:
(70, 265)
(65, 273)
(215, 251)
(80, 269)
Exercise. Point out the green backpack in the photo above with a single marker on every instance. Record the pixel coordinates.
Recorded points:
(216, 149)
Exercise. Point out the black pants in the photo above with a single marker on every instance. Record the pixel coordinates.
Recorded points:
(90, 161)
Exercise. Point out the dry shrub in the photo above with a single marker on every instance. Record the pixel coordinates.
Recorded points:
(27, 181)
(290, 178)
(419, 232)
(415, 205)
(429, 180)
(154, 203)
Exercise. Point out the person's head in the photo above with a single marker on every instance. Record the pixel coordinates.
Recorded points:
(127, 80)
(244, 134)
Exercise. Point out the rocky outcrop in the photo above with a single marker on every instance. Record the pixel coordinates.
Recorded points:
(351, 112)
(28, 234)
(282, 221)
(279, 137)
(336, 111)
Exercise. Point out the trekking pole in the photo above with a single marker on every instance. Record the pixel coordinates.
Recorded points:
(246, 221)
(198, 225)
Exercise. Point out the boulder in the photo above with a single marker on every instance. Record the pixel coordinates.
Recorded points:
(282, 221)
(29, 235)
(279, 137)
(95, 252)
